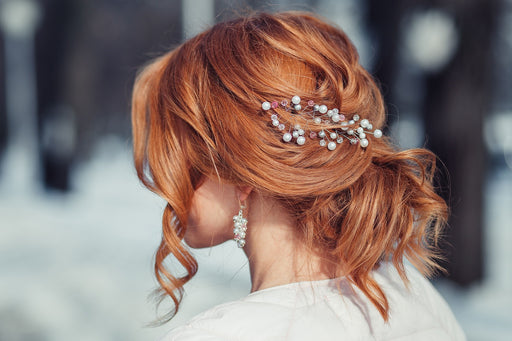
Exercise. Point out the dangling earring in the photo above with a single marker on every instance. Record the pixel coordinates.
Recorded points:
(240, 227)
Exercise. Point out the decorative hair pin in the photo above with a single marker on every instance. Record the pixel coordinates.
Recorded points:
(354, 130)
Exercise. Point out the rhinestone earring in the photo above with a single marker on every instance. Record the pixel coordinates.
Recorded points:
(240, 227)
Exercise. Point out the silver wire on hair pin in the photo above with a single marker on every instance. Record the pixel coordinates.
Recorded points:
(354, 130)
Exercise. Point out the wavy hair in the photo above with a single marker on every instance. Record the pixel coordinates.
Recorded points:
(197, 111)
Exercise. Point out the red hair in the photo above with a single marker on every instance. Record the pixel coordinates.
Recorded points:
(197, 111)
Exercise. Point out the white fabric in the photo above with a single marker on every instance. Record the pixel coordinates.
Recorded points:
(316, 311)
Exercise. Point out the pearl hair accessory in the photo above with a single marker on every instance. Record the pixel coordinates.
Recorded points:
(354, 130)
(240, 227)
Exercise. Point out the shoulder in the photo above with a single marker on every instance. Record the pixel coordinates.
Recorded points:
(230, 321)
(319, 310)
(298, 311)
(417, 307)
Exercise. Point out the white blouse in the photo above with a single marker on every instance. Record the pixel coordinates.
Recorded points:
(317, 311)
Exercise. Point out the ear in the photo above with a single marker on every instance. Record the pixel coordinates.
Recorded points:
(244, 192)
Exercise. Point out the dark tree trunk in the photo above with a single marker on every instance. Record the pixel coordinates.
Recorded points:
(55, 123)
(457, 101)
(3, 107)
(383, 20)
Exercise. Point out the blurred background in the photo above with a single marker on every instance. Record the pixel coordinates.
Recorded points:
(77, 230)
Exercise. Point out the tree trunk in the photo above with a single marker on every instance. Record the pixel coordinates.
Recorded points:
(384, 19)
(3, 108)
(457, 101)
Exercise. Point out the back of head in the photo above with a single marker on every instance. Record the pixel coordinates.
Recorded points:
(197, 111)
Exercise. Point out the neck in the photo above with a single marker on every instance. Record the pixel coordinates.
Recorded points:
(276, 254)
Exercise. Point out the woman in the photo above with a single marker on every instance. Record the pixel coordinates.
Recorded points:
(266, 130)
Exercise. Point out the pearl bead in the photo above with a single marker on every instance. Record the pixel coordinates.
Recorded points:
(273, 117)
(350, 132)
(351, 122)
(329, 113)
(317, 120)
(301, 131)
(321, 134)
(331, 146)
(360, 130)
(280, 127)
(322, 143)
(295, 134)
(240, 243)
(356, 117)
(362, 135)
(295, 99)
(364, 143)
(377, 133)
(364, 123)
(297, 107)
(323, 109)
(369, 127)
(333, 135)
(265, 105)
(316, 107)
(301, 140)
(335, 111)
(335, 118)
(275, 123)
(287, 137)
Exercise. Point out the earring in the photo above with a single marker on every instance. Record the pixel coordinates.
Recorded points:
(240, 227)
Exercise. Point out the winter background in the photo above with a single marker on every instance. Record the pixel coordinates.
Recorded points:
(78, 231)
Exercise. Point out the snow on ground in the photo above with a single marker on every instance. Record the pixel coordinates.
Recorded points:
(79, 266)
